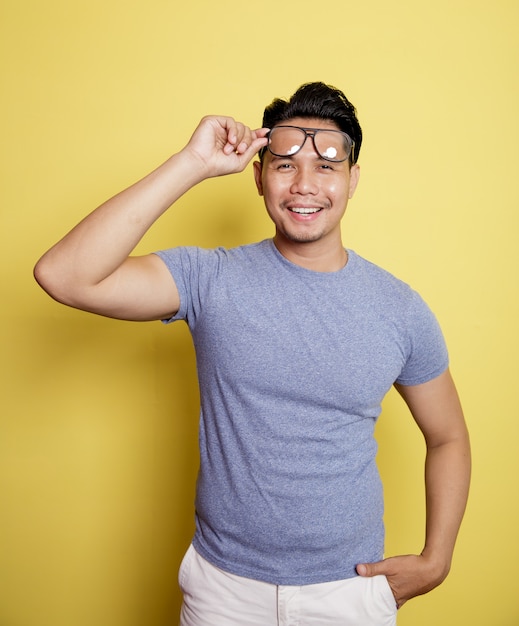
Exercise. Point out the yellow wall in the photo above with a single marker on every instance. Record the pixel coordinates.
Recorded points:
(98, 417)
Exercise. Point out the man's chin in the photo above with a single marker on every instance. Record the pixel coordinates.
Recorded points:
(303, 237)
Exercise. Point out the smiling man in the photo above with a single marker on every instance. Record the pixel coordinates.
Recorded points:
(306, 179)
(298, 340)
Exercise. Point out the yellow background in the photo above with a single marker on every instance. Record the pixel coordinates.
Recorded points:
(98, 450)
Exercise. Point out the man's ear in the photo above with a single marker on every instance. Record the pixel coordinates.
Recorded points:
(354, 179)
(258, 167)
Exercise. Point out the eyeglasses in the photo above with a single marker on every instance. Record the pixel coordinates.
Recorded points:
(331, 145)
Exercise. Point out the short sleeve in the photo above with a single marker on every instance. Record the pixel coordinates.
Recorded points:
(427, 356)
(191, 269)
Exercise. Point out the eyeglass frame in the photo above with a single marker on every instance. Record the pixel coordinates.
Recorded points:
(312, 133)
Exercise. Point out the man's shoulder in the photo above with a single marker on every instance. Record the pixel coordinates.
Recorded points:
(213, 254)
(365, 269)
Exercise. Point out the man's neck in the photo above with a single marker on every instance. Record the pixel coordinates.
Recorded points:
(317, 256)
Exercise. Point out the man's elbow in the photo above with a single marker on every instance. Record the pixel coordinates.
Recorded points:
(52, 281)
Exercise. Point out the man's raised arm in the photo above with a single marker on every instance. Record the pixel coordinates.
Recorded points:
(91, 267)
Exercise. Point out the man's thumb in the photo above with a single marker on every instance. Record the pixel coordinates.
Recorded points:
(367, 569)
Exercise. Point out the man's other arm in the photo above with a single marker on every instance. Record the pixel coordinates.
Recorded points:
(436, 409)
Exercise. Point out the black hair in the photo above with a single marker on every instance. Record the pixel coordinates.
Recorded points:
(320, 101)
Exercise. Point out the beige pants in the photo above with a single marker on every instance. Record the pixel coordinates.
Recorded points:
(213, 597)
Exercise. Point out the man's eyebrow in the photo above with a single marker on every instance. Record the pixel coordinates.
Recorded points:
(274, 158)
(277, 157)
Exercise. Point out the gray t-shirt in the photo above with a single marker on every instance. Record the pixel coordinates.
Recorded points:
(293, 366)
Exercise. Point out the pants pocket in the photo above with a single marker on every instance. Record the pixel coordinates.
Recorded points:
(386, 593)
(185, 566)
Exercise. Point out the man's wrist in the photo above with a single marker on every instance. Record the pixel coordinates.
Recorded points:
(439, 563)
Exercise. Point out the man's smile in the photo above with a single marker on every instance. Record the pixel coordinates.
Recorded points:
(305, 210)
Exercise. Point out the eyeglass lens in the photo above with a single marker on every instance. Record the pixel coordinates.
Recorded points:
(331, 145)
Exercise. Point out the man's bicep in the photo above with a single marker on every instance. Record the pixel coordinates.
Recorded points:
(162, 299)
(141, 289)
(436, 408)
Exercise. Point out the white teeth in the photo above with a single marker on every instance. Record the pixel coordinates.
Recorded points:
(304, 211)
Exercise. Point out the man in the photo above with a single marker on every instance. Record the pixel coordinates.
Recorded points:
(298, 340)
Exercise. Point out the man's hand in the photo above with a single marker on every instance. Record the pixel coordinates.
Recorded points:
(408, 576)
(224, 146)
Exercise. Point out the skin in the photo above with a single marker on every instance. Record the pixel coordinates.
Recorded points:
(92, 269)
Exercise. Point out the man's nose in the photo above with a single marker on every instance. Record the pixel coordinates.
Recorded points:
(304, 181)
